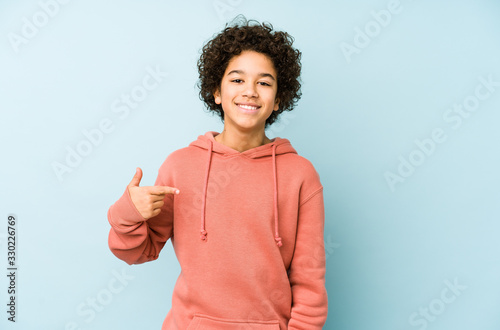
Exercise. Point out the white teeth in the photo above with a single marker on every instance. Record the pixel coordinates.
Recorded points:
(247, 107)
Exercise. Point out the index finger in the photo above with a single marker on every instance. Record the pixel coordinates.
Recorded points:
(162, 190)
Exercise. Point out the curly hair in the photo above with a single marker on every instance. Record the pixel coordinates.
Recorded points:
(234, 39)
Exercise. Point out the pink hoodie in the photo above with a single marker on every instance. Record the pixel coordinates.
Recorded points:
(247, 229)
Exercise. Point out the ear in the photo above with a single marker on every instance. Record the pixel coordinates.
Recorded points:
(217, 97)
(276, 104)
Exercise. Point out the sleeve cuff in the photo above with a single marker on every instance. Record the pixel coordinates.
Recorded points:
(125, 209)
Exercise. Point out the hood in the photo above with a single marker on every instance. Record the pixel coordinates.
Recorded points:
(277, 146)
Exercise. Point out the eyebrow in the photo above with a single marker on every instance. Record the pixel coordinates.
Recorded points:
(263, 74)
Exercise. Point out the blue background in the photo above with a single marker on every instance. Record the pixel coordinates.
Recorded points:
(392, 253)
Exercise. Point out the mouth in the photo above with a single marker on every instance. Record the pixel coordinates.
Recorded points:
(248, 108)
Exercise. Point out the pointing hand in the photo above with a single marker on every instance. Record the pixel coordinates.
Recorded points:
(148, 200)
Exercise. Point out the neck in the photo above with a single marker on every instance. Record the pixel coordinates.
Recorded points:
(242, 141)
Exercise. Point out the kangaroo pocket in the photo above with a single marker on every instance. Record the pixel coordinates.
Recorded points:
(207, 322)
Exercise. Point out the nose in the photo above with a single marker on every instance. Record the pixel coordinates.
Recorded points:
(249, 90)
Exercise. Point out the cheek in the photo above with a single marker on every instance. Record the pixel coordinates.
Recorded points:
(272, 97)
(227, 94)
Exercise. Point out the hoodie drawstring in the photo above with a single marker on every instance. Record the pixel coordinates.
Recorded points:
(203, 235)
(277, 237)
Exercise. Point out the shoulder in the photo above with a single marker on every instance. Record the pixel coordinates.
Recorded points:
(180, 154)
(303, 173)
(176, 158)
(303, 166)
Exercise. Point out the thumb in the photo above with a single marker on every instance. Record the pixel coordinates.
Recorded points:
(137, 178)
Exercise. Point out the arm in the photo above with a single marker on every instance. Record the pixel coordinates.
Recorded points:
(308, 267)
(142, 240)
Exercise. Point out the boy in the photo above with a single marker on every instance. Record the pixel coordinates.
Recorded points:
(244, 213)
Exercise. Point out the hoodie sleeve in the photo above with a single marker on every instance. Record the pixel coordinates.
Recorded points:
(143, 241)
(308, 267)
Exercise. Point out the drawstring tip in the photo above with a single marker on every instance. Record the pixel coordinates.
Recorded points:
(278, 241)
(203, 235)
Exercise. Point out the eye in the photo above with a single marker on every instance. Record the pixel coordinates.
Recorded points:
(261, 82)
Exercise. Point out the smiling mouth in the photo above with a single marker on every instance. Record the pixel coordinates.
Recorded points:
(248, 107)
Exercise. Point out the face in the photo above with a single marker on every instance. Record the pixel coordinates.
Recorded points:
(248, 91)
